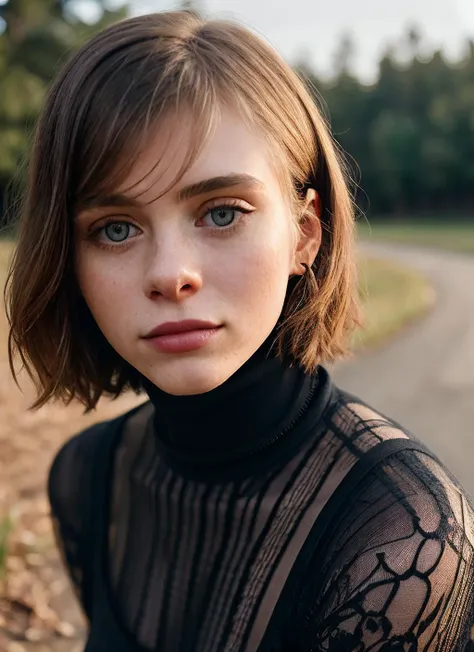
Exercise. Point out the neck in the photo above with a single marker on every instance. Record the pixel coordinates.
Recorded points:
(238, 418)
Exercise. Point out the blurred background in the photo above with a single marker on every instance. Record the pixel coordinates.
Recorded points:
(396, 81)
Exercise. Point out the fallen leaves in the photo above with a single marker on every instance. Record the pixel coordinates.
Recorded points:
(36, 603)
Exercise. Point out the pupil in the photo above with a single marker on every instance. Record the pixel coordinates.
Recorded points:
(223, 216)
(117, 232)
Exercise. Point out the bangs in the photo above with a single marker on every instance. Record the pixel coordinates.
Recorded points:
(127, 91)
(124, 110)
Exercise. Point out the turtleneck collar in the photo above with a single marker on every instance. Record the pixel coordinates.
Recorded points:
(245, 414)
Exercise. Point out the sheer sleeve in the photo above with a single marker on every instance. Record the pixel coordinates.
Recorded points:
(69, 490)
(398, 571)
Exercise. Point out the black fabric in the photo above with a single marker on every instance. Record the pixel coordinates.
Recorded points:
(176, 542)
(260, 403)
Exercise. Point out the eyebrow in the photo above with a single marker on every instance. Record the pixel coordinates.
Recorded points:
(188, 192)
(218, 183)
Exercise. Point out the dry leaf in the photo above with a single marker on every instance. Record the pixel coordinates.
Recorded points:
(66, 630)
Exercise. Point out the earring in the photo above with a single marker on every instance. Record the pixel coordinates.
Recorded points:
(305, 289)
(298, 313)
(310, 282)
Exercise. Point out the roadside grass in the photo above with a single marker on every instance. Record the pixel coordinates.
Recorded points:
(6, 526)
(392, 296)
(451, 234)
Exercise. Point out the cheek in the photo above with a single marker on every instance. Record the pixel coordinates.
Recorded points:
(257, 275)
(105, 288)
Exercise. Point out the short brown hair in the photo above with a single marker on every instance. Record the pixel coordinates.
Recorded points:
(95, 119)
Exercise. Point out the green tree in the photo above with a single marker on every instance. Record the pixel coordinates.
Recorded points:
(411, 131)
(36, 36)
(191, 5)
(343, 58)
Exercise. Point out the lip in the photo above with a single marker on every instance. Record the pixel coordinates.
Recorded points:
(176, 327)
(182, 336)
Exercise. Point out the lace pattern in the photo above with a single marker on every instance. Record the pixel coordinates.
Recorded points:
(190, 561)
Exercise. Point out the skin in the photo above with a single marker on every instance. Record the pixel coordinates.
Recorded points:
(174, 262)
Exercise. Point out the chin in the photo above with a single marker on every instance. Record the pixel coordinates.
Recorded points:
(192, 382)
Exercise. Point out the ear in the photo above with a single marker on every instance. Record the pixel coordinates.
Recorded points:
(309, 234)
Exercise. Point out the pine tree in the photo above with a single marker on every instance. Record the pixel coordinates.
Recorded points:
(35, 36)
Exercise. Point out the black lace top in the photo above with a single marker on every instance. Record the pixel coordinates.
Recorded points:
(276, 513)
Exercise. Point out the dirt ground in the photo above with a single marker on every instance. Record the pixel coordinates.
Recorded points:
(37, 611)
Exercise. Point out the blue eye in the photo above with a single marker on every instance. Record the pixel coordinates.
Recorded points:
(223, 215)
(117, 231)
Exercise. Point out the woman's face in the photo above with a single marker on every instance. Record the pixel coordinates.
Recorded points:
(207, 264)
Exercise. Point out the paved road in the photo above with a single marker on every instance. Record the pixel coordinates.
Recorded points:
(424, 378)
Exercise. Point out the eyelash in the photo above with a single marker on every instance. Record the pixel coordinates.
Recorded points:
(215, 231)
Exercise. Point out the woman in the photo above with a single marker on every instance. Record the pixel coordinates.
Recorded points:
(188, 231)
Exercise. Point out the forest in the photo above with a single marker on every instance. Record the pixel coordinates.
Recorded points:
(408, 135)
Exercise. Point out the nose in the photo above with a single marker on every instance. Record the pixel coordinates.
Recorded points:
(172, 273)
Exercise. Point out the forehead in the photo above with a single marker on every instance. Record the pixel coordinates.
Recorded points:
(232, 146)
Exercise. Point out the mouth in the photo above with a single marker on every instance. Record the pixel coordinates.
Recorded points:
(182, 336)
(177, 327)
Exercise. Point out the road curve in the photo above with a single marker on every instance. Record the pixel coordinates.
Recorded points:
(424, 378)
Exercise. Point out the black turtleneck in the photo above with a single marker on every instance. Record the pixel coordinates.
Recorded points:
(249, 412)
(262, 517)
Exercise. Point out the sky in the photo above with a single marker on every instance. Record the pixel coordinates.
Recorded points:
(312, 28)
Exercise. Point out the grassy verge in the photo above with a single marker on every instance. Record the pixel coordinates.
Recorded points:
(6, 250)
(6, 527)
(392, 296)
(455, 236)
